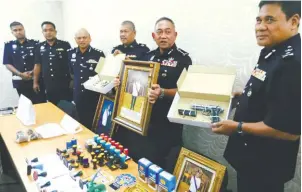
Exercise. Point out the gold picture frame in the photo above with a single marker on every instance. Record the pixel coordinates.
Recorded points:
(202, 173)
(100, 124)
(133, 109)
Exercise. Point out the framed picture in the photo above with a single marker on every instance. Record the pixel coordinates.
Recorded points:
(196, 173)
(102, 122)
(133, 109)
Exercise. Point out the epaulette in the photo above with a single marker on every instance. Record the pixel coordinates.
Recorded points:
(288, 52)
(71, 49)
(8, 42)
(97, 50)
(143, 45)
(184, 53)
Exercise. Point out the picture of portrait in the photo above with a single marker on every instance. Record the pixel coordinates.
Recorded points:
(132, 110)
(135, 95)
(103, 117)
(195, 177)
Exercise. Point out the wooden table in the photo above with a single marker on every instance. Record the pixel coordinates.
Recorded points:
(45, 113)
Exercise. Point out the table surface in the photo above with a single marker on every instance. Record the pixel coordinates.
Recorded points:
(46, 113)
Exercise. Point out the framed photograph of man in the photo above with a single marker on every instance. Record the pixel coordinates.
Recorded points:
(195, 173)
(133, 109)
(102, 122)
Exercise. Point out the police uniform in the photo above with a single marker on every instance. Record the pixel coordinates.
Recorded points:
(21, 56)
(135, 51)
(272, 95)
(82, 67)
(163, 136)
(55, 71)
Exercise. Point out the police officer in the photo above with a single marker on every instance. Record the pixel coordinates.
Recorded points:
(51, 59)
(19, 59)
(162, 144)
(129, 46)
(82, 61)
(265, 134)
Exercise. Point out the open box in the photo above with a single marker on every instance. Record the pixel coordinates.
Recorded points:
(107, 69)
(204, 86)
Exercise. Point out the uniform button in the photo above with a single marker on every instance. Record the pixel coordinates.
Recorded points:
(21, 46)
(158, 59)
(81, 70)
(251, 84)
(238, 103)
(52, 75)
(243, 91)
(82, 57)
(81, 77)
(50, 58)
(245, 144)
(82, 90)
(51, 69)
(25, 69)
(49, 53)
(50, 63)
(24, 63)
(22, 51)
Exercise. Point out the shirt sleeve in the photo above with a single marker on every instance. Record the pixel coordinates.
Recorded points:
(188, 62)
(37, 55)
(284, 98)
(7, 57)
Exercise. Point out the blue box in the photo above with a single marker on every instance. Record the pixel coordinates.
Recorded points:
(153, 178)
(167, 182)
(143, 169)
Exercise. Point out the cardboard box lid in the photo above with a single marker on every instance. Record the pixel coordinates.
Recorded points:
(211, 83)
(108, 68)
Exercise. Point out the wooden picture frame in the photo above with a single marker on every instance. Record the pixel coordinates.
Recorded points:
(207, 173)
(102, 123)
(133, 109)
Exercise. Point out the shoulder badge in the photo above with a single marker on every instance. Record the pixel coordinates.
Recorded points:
(288, 52)
(184, 53)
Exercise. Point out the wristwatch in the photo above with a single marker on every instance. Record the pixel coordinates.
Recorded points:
(162, 93)
(239, 128)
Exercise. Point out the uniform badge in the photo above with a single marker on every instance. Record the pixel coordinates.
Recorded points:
(259, 74)
(31, 54)
(164, 74)
(73, 55)
(42, 47)
(170, 62)
(90, 68)
(14, 46)
(60, 49)
(92, 61)
(73, 60)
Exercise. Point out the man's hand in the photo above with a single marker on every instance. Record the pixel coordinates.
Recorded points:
(116, 82)
(226, 127)
(26, 75)
(154, 93)
(36, 87)
(116, 52)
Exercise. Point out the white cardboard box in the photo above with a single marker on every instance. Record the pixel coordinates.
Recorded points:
(205, 86)
(107, 69)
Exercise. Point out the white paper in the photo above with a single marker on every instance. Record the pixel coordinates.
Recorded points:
(25, 112)
(70, 125)
(50, 130)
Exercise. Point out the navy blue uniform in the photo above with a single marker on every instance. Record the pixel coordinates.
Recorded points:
(163, 136)
(21, 56)
(82, 67)
(55, 71)
(272, 95)
(135, 51)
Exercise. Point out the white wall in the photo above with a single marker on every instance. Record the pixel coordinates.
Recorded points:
(213, 32)
(31, 13)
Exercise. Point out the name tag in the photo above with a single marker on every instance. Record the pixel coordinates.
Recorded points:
(259, 74)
